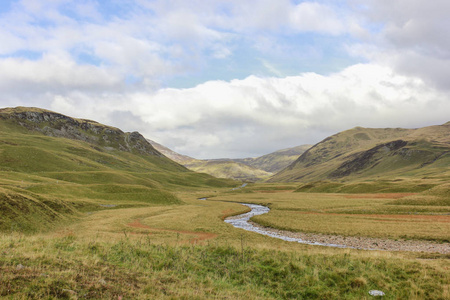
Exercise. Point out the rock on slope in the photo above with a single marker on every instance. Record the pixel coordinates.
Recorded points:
(58, 125)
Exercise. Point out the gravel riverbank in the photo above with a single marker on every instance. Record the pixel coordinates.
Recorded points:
(365, 243)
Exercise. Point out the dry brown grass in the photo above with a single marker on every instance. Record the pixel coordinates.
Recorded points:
(370, 215)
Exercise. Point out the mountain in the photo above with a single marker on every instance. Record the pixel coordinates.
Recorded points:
(53, 167)
(228, 168)
(275, 161)
(246, 169)
(179, 158)
(364, 153)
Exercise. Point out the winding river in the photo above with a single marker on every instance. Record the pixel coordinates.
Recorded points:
(242, 221)
(363, 243)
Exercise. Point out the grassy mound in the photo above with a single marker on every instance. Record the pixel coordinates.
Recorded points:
(31, 213)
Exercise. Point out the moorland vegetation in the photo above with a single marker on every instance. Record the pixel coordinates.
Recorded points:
(91, 212)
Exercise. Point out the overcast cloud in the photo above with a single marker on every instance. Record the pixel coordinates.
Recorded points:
(230, 78)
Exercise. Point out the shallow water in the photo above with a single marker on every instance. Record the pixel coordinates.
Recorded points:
(242, 221)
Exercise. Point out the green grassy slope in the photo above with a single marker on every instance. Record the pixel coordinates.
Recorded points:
(276, 161)
(219, 168)
(53, 166)
(245, 169)
(228, 169)
(364, 153)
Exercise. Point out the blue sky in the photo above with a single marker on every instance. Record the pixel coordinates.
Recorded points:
(236, 78)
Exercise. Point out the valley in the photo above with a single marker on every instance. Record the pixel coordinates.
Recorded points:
(244, 169)
(91, 212)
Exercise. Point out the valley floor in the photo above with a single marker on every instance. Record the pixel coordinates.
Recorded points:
(187, 251)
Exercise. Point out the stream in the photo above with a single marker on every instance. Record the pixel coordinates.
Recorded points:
(242, 221)
(352, 242)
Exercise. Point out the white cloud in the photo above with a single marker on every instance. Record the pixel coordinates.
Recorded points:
(53, 72)
(258, 115)
(411, 37)
(72, 57)
(313, 16)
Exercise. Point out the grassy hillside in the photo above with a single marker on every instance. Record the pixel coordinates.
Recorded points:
(105, 216)
(364, 153)
(246, 169)
(228, 169)
(53, 167)
(276, 161)
(177, 157)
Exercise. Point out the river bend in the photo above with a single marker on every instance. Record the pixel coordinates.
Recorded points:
(363, 243)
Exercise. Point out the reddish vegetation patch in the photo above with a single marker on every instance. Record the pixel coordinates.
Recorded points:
(64, 233)
(138, 224)
(412, 218)
(226, 213)
(201, 236)
(275, 191)
(380, 196)
(432, 218)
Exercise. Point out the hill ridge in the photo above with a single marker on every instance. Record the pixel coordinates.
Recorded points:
(373, 152)
(56, 124)
(244, 169)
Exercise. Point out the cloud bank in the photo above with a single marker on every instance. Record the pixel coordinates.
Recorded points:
(230, 78)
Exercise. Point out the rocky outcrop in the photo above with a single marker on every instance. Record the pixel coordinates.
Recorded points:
(367, 159)
(59, 125)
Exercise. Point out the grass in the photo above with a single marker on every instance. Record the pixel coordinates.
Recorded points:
(71, 266)
(228, 169)
(154, 251)
(84, 221)
(381, 215)
(368, 153)
(374, 186)
(47, 180)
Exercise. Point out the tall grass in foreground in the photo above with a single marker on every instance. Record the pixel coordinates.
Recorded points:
(135, 268)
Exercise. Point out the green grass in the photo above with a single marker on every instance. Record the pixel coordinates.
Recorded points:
(423, 216)
(51, 179)
(374, 186)
(228, 169)
(368, 153)
(64, 267)
(83, 220)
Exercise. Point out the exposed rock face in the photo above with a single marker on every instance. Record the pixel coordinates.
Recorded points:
(58, 125)
(368, 158)
(373, 153)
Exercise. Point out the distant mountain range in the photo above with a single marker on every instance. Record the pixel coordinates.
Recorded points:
(366, 153)
(245, 169)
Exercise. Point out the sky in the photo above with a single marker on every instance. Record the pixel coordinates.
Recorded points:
(234, 78)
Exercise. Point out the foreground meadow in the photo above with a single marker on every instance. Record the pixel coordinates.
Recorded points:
(185, 250)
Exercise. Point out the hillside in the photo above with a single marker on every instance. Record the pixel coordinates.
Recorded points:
(246, 169)
(177, 157)
(276, 161)
(53, 166)
(365, 153)
(227, 168)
